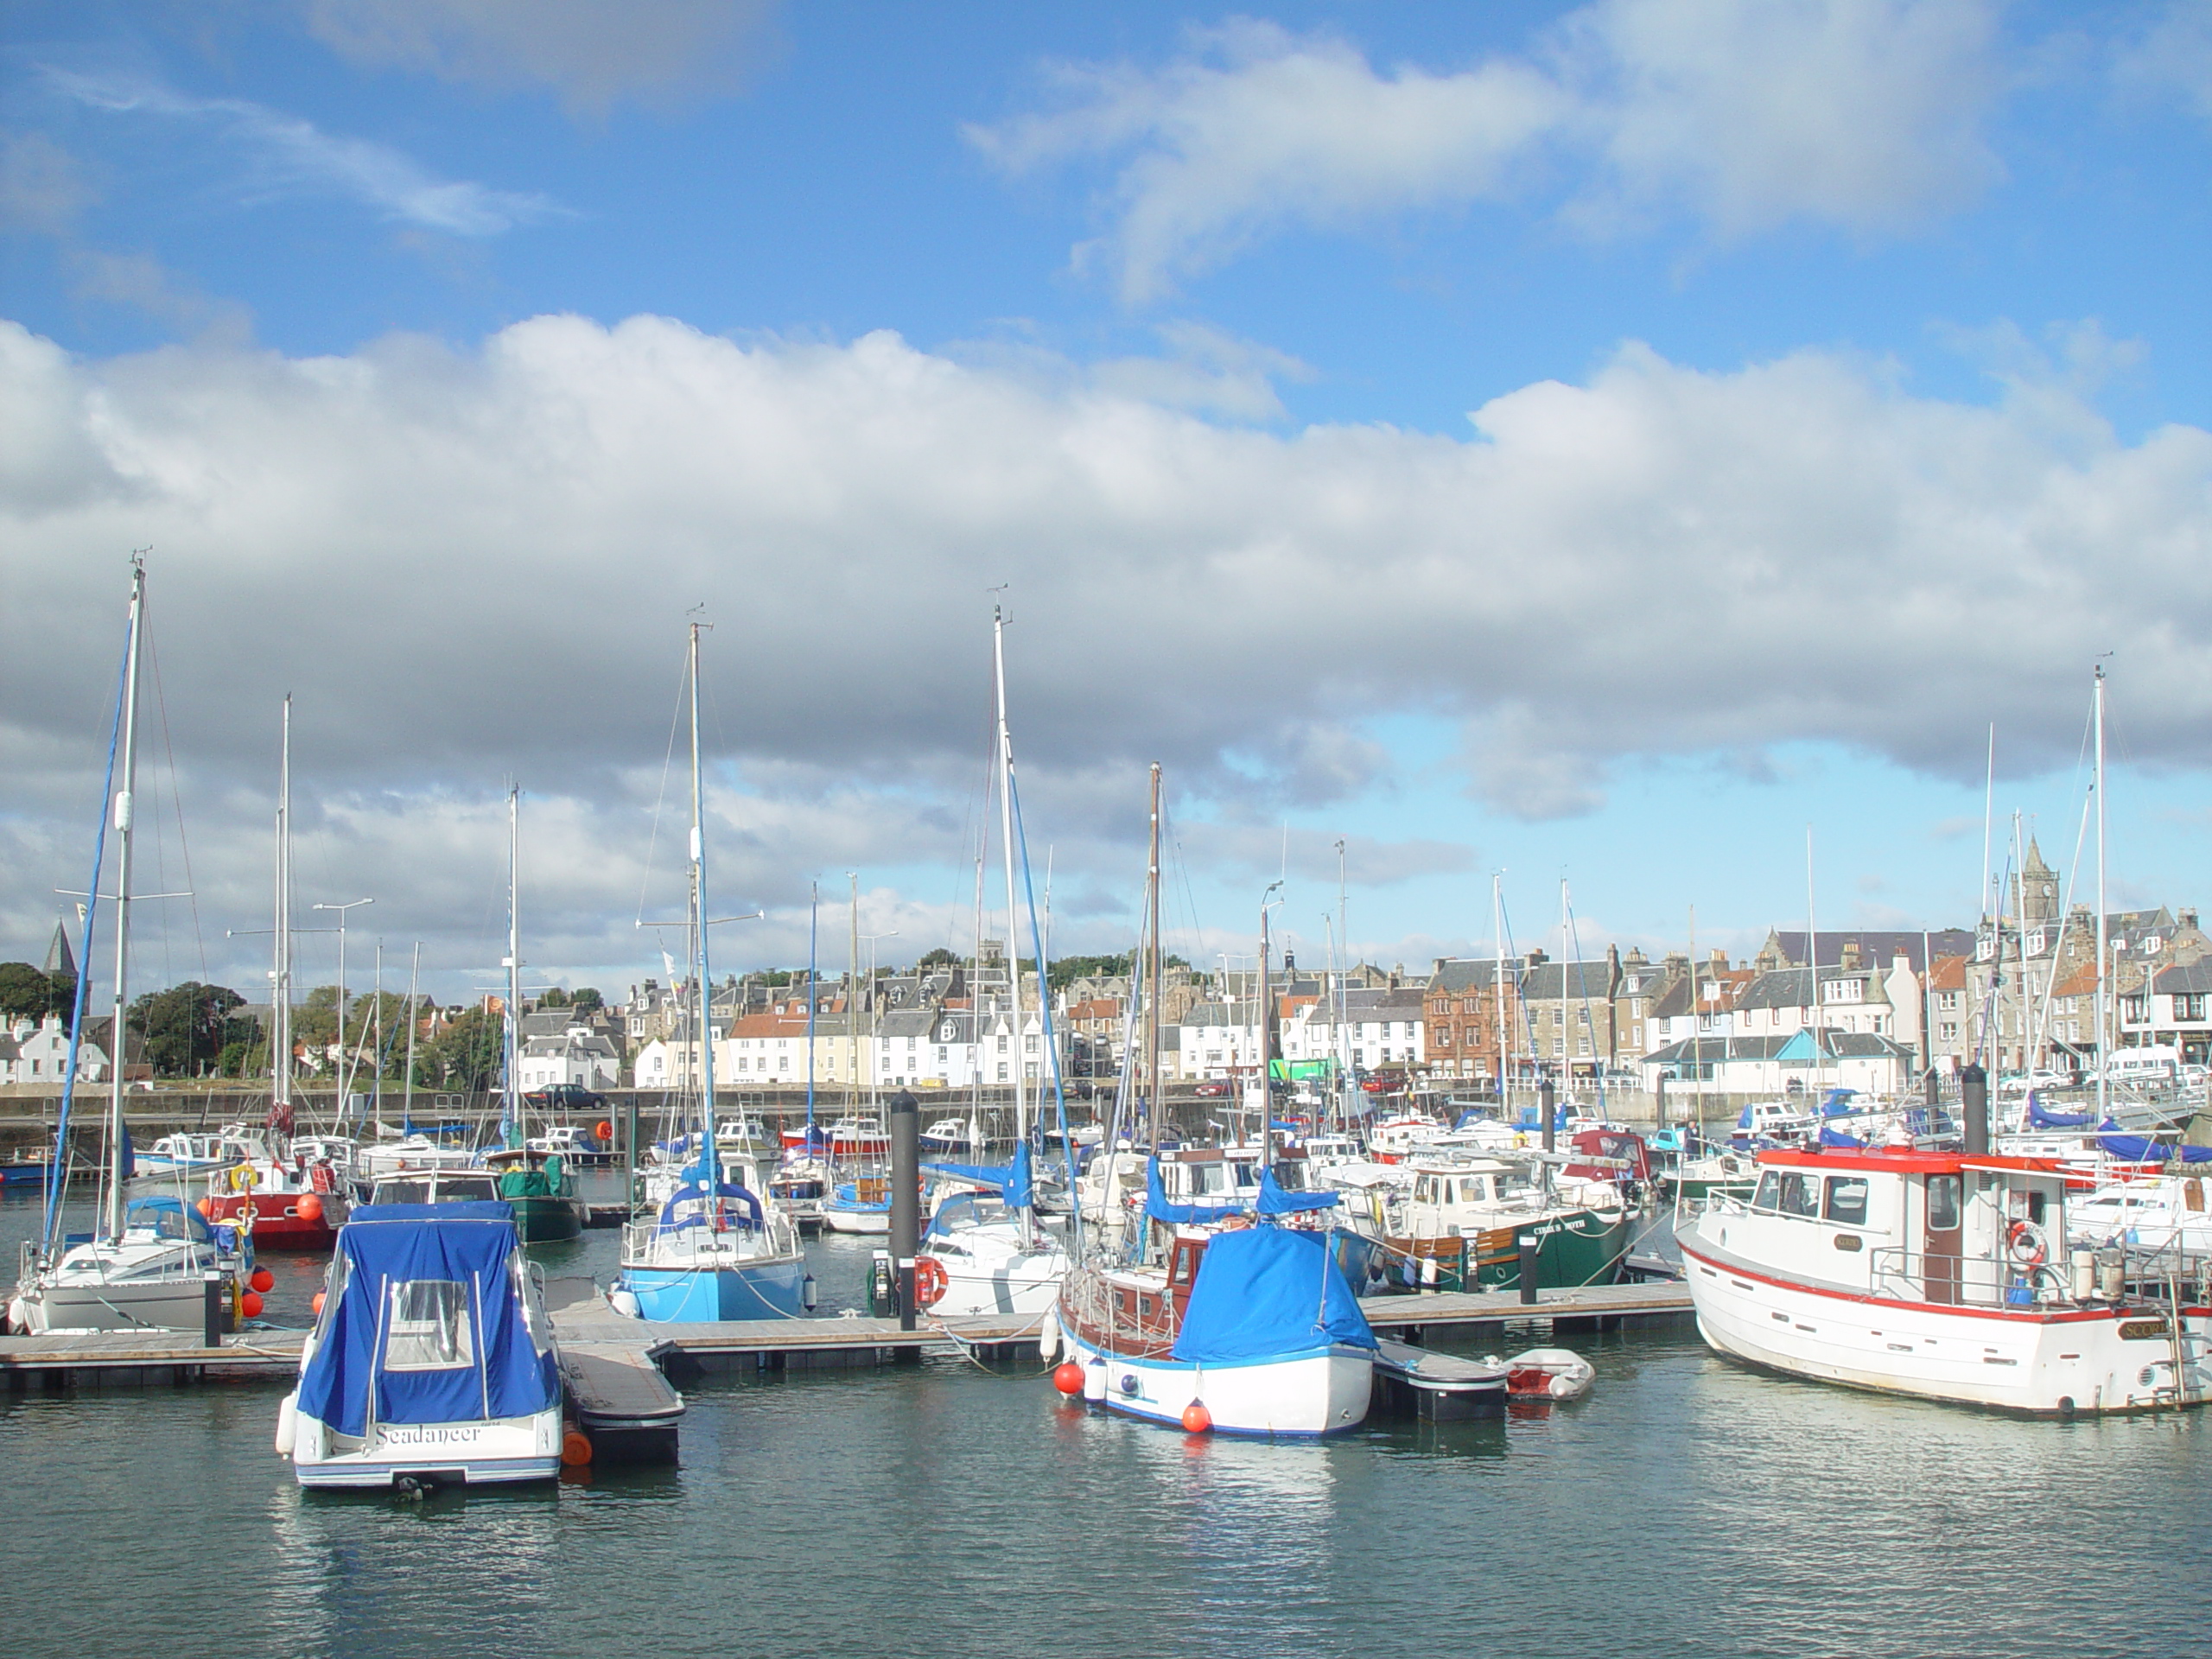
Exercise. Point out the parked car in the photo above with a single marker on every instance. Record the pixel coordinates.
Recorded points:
(1213, 1089)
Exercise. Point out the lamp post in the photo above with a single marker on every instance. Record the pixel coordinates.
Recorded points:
(341, 909)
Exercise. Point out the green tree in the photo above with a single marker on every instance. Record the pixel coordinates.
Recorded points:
(554, 998)
(465, 1055)
(587, 996)
(939, 957)
(184, 1028)
(32, 993)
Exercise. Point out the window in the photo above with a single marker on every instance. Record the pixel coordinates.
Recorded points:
(1847, 1200)
(429, 1328)
(1770, 1193)
(1001, 1049)
(1942, 1203)
(1001, 1070)
(1801, 1193)
(2188, 1005)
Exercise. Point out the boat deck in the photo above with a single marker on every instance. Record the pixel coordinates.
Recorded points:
(1577, 1311)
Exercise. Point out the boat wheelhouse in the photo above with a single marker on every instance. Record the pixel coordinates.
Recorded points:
(1945, 1275)
(1460, 1223)
(432, 1360)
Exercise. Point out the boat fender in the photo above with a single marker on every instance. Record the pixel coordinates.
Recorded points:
(808, 1296)
(1094, 1382)
(287, 1425)
(625, 1302)
(1048, 1338)
(2023, 1241)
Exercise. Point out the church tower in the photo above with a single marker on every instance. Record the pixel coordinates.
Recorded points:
(2038, 888)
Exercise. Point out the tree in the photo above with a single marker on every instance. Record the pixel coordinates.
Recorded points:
(939, 957)
(465, 1055)
(31, 993)
(185, 1028)
(554, 998)
(586, 996)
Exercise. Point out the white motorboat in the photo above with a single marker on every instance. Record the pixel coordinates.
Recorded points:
(948, 1135)
(2168, 1215)
(432, 1362)
(983, 1251)
(1934, 1275)
(185, 1154)
(149, 1274)
(410, 1154)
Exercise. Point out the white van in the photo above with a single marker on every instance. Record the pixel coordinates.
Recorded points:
(2150, 1065)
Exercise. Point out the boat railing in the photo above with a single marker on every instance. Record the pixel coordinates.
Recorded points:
(1096, 1302)
(1970, 1280)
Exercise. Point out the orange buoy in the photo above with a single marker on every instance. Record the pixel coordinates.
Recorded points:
(263, 1280)
(250, 1305)
(1197, 1419)
(604, 1130)
(576, 1448)
(1068, 1377)
(319, 1297)
(310, 1207)
(206, 1208)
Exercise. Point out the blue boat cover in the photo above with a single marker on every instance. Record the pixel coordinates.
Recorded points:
(2196, 1154)
(1016, 1183)
(1837, 1138)
(2134, 1148)
(694, 1196)
(2041, 1118)
(1265, 1293)
(169, 1217)
(442, 1269)
(1274, 1201)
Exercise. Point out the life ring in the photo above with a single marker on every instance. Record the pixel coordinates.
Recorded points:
(930, 1281)
(2023, 1243)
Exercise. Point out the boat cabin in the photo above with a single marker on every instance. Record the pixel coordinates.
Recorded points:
(437, 1186)
(1910, 1226)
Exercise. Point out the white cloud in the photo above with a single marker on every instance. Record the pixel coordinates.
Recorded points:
(2172, 55)
(590, 52)
(42, 186)
(286, 155)
(1745, 114)
(468, 564)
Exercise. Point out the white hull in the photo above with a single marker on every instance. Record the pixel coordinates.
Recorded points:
(1029, 1285)
(153, 1304)
(2049, 1364)
(1323, 1391)
(860, 1223)
(477, 1454)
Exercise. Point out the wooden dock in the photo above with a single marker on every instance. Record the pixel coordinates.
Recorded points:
(172, 1357)
(1579, 1311)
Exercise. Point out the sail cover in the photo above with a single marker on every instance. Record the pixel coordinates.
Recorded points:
(1275, 1201)
(1157, 1206)
(1268, 1293)
(1016, 1183)
(428, 1326)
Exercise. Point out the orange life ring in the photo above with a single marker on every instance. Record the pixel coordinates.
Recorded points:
(931, 1280)
(604, 1131)
(2023, 1243)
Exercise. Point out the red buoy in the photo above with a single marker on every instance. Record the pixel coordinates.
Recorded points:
(310, 1207)
(1197, 1419)
(1067, 1377)
(263, 1280)
(576, 1448)
(604, 1130)
(250, 1305)
(319, 1296)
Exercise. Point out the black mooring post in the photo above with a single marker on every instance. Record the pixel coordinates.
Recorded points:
(1529, 1247)
(1973, 1105)
(211, 1310)
(1547, 1104)
(905, 1199)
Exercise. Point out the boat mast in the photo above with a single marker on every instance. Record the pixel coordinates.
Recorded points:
(1260, 1011)
(1498, 983)
(701, 972)
(1344, 1006)
(1006, 834)
(1697, 1031)
(2103, 949)
(1152, 974)
(118, 1040)
(512, 1126)
(852, 999)
(1813, 968)
(280, 1013)
(813, 997)
(414, 1023)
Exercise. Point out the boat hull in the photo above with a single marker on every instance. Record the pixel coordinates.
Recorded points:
(168, 1304)
(2055, 1365)
(771, 1290)
(544, 1219)
(277, 1222)
(497, 1453)
(860, 1223)
(1324, 1390)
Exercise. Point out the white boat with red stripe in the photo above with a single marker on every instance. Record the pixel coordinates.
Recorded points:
(1946, 1276)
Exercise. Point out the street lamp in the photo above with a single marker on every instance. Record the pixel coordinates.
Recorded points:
(341, 909)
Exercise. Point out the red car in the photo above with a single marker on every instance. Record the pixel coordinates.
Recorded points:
(1214, 1091)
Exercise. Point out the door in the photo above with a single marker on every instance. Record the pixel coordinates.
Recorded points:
(1939, 1239)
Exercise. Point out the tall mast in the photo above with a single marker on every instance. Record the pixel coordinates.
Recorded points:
(119, 1039)
(280, 1013)
(852, 996)
(1813, 967)
(1498, 978)
(701, 969)
(1344, 1003)
(2103, 949)
(513, 1034)
(414, 1024)
(1152, 974)
(813, 996)
(1697, 1029)
(1267, 1065)
(1006, 835)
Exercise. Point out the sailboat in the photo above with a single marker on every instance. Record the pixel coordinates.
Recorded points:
(146, 1266)
(539, 1185)
(707, 1247)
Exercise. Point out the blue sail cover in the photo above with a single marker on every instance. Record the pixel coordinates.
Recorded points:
(1837, 1138)
(1274, 1201)
(1016, 1182)
(398, 1247)
(693, 1201)
(2041, 1117)
(2131, 1148)
(1268, 1293)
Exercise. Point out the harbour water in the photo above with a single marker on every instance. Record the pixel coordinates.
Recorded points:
(1687, 1507)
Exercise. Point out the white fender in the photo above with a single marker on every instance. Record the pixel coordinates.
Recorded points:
(625, 1302)
(1048, 1337)
(288, 1424)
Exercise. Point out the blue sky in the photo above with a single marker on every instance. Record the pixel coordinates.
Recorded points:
(1595, 441)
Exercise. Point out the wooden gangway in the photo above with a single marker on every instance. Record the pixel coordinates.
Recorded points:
(1579, 1309)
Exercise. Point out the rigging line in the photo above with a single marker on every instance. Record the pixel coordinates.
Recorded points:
(653, 842)
(176, 798)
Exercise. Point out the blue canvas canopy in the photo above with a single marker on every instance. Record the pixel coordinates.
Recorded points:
(1837, 1138)
(1268, 1293)
(428, 1325)
(2134, 1148)
(2041, 1117)
(1157, 1206)
(1274, 1201)
(1017, 1185)
(695, 1196)
(169, 1217)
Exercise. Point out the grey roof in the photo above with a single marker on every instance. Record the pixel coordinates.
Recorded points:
(561, 1043)
(1791, 988)
(2194, 976)
(1550, 982)
(906, 1022)
(1457, 974)
(1878, 947)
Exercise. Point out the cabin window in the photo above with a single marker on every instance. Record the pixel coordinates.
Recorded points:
(2035, 1207)
(1801, 1193)
(429, 1328)
(1942, 1202)
(1847, 1201)
(1769, 1196)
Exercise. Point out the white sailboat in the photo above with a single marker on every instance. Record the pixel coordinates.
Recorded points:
(707, 1247)
(146, 1266)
